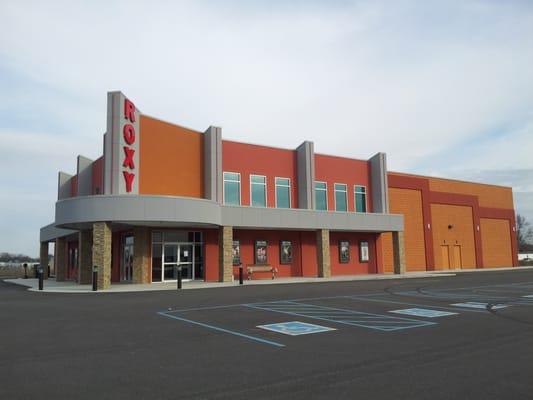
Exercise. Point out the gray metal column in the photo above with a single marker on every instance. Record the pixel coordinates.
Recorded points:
(213, 164)
(378, 183)
(85, 176)
(63, 185)
(306, 175)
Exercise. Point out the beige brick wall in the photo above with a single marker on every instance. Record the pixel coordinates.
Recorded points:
(225, 253)
(398, 251)
(496, 242)
(141, 255)
(102, 253)
(323, 253)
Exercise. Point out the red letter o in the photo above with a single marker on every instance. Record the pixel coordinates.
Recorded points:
(129, 134)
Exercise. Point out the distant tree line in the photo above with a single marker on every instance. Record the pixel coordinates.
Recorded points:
(524, 234)
(12, 257)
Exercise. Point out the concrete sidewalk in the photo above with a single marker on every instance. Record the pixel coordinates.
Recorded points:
(52, 286)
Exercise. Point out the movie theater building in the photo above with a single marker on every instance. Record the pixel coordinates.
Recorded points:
(163, 196)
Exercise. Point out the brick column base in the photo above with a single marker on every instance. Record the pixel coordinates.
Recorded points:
(141, 255)
(322, 251)
(102, 253)
(225, 248)
(85, 257)
(60, 259)
(398, 252)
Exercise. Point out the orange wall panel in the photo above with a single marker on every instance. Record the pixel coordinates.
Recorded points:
(461, 233)
(409, 203)
(496, 242)
(171, 159)
(488, 195)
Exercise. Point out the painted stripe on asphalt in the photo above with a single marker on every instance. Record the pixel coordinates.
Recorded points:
(407, 303)
(219, 329)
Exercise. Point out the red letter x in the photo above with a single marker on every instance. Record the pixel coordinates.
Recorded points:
(128, 161)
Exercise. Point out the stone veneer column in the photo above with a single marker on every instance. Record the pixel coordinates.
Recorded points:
(60, 259)
(85, 257)
(141, 255)
(225, 248)
(102, 253)
(398, 252)
(43, 258)
(322, 251)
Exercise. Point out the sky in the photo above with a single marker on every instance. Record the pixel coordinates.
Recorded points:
(445, 88)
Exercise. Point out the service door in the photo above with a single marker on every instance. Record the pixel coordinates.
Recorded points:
(457, 261)
(445, 255)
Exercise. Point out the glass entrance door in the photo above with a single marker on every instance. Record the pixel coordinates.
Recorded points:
(186, 261)
(126, 270)
(178, 254)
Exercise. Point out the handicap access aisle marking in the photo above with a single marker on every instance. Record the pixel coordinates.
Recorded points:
(296, 328)
(423, 312)
(475, 304)
(379, 322)
(219, 329)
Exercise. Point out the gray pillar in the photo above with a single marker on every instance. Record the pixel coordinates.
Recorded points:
(85, 176)
(306, 175)
(379, 183)
(213, 164)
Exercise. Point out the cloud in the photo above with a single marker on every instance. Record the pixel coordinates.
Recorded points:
(433, 84)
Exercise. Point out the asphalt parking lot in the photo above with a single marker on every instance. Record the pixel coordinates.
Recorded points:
(463, 337)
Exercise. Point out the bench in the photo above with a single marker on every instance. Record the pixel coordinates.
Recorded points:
(250, 269)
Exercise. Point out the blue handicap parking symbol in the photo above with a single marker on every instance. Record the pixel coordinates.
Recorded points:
(475, 304)
(423, 312)
(295, 328)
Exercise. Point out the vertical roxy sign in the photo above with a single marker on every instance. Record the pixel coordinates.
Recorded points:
(121, 146)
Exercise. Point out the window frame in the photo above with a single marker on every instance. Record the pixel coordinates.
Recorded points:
(325, 190)
(276, 191)
(266, 190)
(361, 258)
(355, 198)
(224, 188)
(345, 195)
